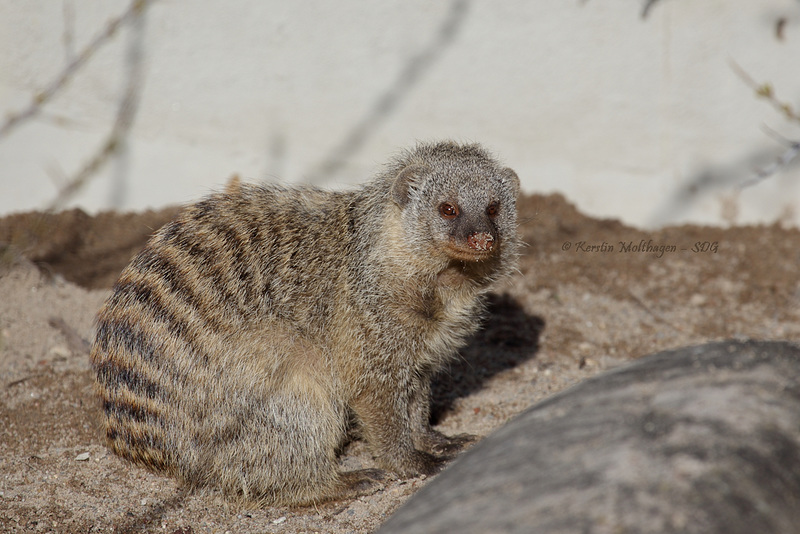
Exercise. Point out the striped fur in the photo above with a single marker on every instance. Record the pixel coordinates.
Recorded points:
(236, 346)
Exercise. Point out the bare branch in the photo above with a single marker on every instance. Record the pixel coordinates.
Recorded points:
(44, 96)
(765, 90)
(126, 113)
(68, 36)
(646, 8)
(386, 103)
(785, 159)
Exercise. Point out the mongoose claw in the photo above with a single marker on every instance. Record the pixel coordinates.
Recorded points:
(417, 463)
(432, 464)
(453, 444)
(439, 444)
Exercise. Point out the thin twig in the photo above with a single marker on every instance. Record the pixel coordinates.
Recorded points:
(765, 90)
(765, 172)
(45, 95)
(657, 316)
(126, 113)
(68, 36)
(75, 342)
(386, 103)
(646, 8)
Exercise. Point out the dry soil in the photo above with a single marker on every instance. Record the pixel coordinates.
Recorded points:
(590, 294)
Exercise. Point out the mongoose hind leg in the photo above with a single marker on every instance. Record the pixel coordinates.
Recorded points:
(277, 450)
(274, 425)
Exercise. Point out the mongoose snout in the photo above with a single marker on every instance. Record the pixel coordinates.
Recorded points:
(242, 343)
(481, 241)
(472, 230)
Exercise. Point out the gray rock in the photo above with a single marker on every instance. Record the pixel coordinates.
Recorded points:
(702, 439)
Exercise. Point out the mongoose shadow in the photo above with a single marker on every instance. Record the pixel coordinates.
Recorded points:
(151, 516)
(509, 337)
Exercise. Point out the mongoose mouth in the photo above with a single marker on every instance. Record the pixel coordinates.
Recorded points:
(468, 253)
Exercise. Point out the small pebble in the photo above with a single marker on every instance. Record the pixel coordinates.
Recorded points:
(279, 520)
(60, 352)
(82, 457)
(697, 299)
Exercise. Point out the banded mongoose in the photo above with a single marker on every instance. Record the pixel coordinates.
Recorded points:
(240, 341)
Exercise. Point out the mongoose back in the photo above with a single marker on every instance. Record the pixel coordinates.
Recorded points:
(239, 343)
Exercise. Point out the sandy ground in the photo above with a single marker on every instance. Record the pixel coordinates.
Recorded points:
(589, 295)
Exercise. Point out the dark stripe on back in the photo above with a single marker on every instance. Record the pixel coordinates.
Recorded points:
(128, 411)
(210, 267)
(237, 243)
(179, 328)
(154, 261)
(146, 449)
(122, 332)
(111, 374)
(170, 231)
(115, 332)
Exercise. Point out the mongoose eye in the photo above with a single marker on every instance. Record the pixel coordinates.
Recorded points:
(448, 211)
(492, 210)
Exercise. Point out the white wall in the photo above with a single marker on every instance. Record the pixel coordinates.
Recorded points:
(642, 119)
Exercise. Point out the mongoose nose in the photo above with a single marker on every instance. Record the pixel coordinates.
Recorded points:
(481, 241)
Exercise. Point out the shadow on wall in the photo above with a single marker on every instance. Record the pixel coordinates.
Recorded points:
(387, 103)
(727, 182)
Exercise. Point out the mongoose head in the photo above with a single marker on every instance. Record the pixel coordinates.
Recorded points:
(457, 201)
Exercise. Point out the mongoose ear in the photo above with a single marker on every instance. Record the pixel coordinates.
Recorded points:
(405, 180)
(510, 177)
